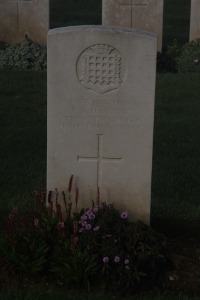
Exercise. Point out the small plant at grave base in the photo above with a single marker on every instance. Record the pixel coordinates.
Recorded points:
(94, 246)
(38, 236)
(130, 254)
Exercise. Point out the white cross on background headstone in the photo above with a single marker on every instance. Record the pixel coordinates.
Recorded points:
(99, 158)
(17, 2)
(131, 3)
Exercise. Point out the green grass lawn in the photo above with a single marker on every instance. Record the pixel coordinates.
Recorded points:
(176, 163)
(23, 135)
(63, 294)
(176, 21)
(74, 12)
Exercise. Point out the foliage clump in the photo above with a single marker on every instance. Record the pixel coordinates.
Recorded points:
(97, 246)
(189, 60)
(168, 59)
(26, 55)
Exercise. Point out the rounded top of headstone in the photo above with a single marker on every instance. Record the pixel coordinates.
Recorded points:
(127, 30)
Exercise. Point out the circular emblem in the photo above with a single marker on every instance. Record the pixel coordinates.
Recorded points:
(99, 68)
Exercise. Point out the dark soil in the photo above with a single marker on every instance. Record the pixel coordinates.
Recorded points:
(183, 253)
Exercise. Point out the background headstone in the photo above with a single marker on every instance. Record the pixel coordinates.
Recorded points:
(195, 20)
(138, 14)
(24, 17)
(101, 85)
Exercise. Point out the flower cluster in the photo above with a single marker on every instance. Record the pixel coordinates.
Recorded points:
(117, 259)
(95, 242)
(86, 221)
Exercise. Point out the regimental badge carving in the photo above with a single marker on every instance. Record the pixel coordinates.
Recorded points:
(99, 68)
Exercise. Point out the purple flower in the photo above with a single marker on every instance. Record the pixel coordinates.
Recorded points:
(116, 259)
(105, 259)
(95, 209)
(91, 216)
(96, 228)
(126, 261)
(84, 223)
(88, 227)
(89, 212)
(84, 217)
(124, 215)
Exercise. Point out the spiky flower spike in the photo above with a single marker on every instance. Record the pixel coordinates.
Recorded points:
(49, 197)
(70, 183)
(56, 192)
(98, 195)
(77, 195)
(64, 199)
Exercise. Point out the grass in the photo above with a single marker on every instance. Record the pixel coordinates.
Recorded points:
(75, 12)
(176, 164)
(23, 132)
(26, 293)
(176, 21)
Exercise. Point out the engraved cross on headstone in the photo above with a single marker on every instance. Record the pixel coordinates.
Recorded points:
(131, 4)
(99, 159)
(17, 2)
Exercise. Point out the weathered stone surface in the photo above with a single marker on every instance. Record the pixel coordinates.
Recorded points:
(24, 17)
(138, 14)
(101, 85)
(195, 20)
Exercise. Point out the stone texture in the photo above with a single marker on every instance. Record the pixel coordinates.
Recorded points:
(144, 15)
(24, 17)
(195, 20)
(101, 85)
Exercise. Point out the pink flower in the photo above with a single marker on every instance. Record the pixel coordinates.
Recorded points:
(95, 209)
(105, 259)
(91, 216)
(88, 227)
(116, 259)
(89, 212)
(126, 261)
(84, 223)
(124, 215)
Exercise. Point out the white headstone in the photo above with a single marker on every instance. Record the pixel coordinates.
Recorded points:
(138, 14)
(24, 17)
(101, 85)
(195, 20)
